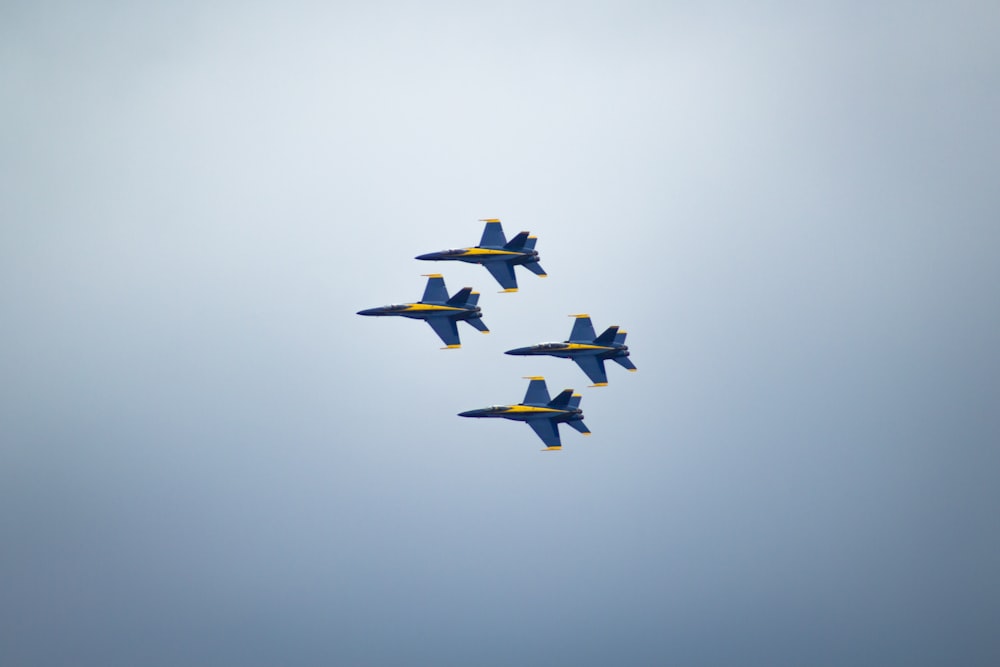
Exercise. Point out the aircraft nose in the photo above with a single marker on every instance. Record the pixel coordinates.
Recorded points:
(471, 413)
(519, 351)
(369, 311)
(429, 255)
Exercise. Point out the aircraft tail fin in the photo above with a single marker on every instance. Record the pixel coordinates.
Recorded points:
(464, 297)
(620, 337)
(574, 401)
(608, 337)
(562, 400)
(529, 244)
(518, 242)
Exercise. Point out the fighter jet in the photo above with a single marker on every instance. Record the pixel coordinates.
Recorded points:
(543, 415)
(587, 350)
(442, 313)
(497, 254)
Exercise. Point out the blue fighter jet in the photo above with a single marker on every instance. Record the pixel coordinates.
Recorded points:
(543, 415)
(442, 313)
(497, 254)
(587, 350)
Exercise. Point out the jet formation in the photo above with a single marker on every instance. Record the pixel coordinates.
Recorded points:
(439, 311)
(443, 313)
(586, 349)
(497, 254)
(540, 412)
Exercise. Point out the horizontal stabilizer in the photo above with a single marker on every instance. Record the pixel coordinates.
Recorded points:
(517, 243)
(624, 361)
(607, 337)
(535, 268)
(579, 426)
(477, 323)
(562, 400)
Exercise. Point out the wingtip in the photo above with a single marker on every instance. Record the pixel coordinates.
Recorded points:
(507, 290)
(432, 275)
(552, 449)
(632, 370)
(451, 347)
(599, 384)
(579, 315)
(489, 219)
(532, 377)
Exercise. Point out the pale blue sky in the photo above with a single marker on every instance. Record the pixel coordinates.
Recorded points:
(207, 458)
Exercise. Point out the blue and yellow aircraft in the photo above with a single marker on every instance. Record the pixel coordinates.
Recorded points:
(543, 415)
(587, 350)
(442, 313)
(497, 254)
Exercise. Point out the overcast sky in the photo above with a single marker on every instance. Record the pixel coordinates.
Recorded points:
(206, 457)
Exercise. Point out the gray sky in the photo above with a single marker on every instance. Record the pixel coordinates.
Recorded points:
(207, 458)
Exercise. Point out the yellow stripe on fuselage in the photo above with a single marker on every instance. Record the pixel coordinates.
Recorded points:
(487, 251)
(429, 306)
(532, 408)
(584, 346)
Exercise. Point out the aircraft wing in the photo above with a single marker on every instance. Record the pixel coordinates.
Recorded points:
(538, 392)
(593, 367)
(435, 292)
(583, 330)
(493, 236)
(446, 328)
(547, 430)
(503, 272)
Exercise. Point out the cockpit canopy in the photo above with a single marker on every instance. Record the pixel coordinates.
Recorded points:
(396, 306)
(550, 346)
(453, 251)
